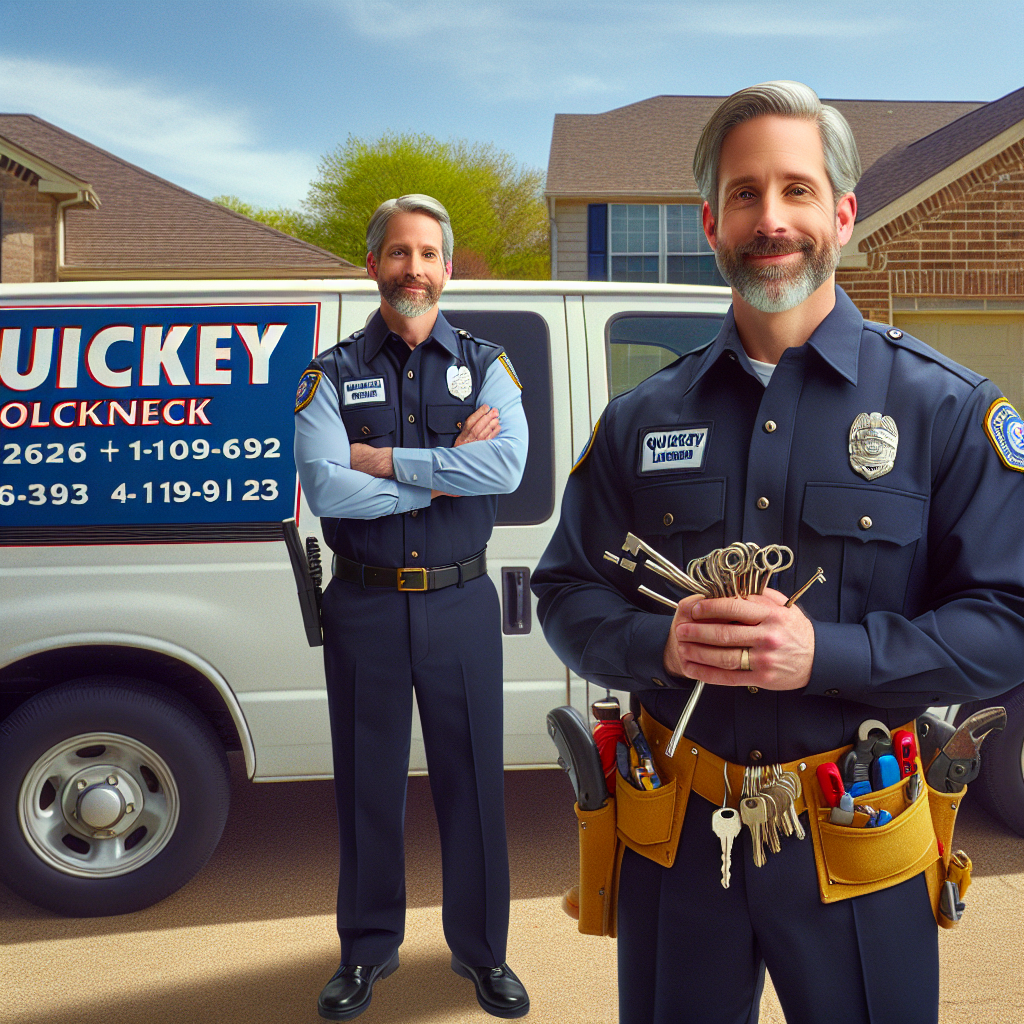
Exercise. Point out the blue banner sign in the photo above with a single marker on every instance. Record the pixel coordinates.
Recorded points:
(150, 414)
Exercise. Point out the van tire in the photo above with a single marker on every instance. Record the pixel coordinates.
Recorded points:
(152, 769)
(999, 786)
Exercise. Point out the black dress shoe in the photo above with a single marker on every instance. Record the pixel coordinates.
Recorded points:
(348, 993)
(498, 990)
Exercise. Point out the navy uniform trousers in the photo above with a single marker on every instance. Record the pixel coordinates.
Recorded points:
(380, 646)
(692, 952)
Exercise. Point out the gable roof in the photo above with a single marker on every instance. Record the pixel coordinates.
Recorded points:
(646, 148)
(147, 227)
(910, 164)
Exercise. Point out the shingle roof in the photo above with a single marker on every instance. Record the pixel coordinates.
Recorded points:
(647, 147)
(907, 165)
(145, 223)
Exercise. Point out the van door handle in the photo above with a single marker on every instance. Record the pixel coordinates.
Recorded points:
(515, 599)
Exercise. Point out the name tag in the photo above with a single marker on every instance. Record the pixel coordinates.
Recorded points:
(356, 392)
(676, 449)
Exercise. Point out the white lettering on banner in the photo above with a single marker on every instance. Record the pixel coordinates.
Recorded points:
(158, 358)
(96, 356)
(260, 349)
(67, 369)
(354, 392)
(159, 351)
(673, 449)
(210, 354)
(40, 358)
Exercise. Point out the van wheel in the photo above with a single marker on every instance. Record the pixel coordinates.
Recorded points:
(1000, 783)
(113, 794)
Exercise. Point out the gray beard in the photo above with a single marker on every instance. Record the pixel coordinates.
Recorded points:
(776, 289)
(405, 305)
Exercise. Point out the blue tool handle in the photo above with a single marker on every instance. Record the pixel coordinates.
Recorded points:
(885, 771)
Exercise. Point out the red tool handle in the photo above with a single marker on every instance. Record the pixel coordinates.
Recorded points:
(904, 746)
(831, 783)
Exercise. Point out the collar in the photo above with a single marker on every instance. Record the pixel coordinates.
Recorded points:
(836, 339)
(377, 330)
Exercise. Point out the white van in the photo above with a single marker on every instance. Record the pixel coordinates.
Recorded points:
(149, 620)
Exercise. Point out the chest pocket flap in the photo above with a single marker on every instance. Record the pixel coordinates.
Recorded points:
(366, 424)
(864, 513)
(683, 505)
(448, 418)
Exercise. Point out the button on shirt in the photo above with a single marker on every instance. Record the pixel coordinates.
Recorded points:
(926, 607)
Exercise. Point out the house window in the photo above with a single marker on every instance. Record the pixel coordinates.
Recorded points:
(649, 242)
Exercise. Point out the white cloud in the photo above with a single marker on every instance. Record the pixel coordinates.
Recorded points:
(185, 138)
(582, 49)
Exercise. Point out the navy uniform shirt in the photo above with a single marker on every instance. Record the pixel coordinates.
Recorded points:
(358, 392)
(924, 599)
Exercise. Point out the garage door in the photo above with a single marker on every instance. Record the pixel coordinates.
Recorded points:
(989, 343)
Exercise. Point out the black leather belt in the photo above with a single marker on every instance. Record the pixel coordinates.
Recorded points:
(414, 579)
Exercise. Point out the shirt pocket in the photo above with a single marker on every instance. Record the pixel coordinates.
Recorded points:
(371, 426)
(683, 519)
(445, 422)
(868, 536)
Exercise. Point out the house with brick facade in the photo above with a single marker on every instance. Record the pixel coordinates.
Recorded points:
(70, 211)
(938, 248)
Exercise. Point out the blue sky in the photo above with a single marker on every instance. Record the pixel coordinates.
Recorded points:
(244, 98)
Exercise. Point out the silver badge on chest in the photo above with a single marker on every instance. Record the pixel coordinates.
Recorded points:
(460, 381)
(873, 442)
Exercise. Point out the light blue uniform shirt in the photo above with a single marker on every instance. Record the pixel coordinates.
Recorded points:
(333, 488)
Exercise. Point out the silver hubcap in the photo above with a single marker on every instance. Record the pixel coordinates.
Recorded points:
(98, 805)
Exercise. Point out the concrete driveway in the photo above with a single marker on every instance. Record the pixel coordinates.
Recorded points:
(251, 939)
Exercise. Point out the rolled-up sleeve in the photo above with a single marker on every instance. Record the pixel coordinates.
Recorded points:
(323, 460)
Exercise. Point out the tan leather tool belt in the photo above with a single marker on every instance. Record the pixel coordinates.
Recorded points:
(849, 861)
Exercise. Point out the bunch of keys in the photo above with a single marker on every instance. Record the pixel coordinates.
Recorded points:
(768, 806)
(739, 570)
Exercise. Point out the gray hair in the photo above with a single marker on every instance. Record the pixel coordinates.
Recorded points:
(414, 203)
(788, 99)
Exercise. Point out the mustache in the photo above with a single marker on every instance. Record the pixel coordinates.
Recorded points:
(775, 247)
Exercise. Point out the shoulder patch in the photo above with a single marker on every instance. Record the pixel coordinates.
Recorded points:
(586, 448)
(308, 384)
(1005, 430)
(507, 363)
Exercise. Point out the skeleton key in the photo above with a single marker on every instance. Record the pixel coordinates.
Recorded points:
(754, 813)
(726, 824)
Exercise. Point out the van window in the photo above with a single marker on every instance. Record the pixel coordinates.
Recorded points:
(640, 344)
(524, 336)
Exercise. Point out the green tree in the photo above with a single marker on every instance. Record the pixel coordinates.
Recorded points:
(291, 222)
(497, 208)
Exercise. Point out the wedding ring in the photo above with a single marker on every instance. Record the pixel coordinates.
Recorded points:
(744, 659)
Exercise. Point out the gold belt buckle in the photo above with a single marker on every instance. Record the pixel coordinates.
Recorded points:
(402, 585)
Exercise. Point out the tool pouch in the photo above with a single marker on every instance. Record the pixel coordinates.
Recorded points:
(948, 866)
(600, 857)
(854, 861)
(647, 821)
